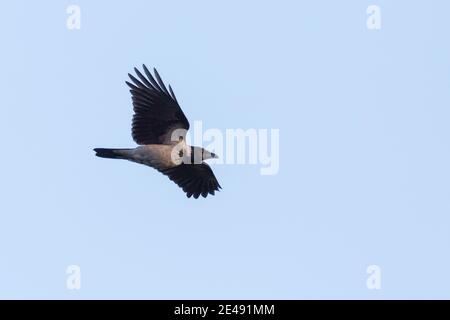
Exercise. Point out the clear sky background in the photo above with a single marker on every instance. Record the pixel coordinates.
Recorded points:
(364, 150)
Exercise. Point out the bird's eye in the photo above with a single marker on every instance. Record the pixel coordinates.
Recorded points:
(180, 154)
(213, 155)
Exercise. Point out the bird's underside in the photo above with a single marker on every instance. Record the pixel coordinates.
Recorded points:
(159, 126)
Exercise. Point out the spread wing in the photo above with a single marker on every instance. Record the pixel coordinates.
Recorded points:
(194, 179)
(156, 110)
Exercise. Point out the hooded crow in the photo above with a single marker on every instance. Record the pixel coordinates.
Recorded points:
(159, 126)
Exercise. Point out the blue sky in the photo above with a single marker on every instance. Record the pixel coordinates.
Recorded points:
(364, 173)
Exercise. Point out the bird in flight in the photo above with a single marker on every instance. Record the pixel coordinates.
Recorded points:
(159, 128)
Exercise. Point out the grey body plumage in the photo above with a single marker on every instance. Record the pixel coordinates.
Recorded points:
(159, 127)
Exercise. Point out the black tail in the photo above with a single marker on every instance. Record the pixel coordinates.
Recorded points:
(110, 153)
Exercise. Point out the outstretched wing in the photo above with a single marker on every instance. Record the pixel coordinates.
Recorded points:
(156, 110)
(194, 179)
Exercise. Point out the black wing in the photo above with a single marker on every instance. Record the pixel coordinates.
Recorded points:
(156, 110)
(194, 179)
